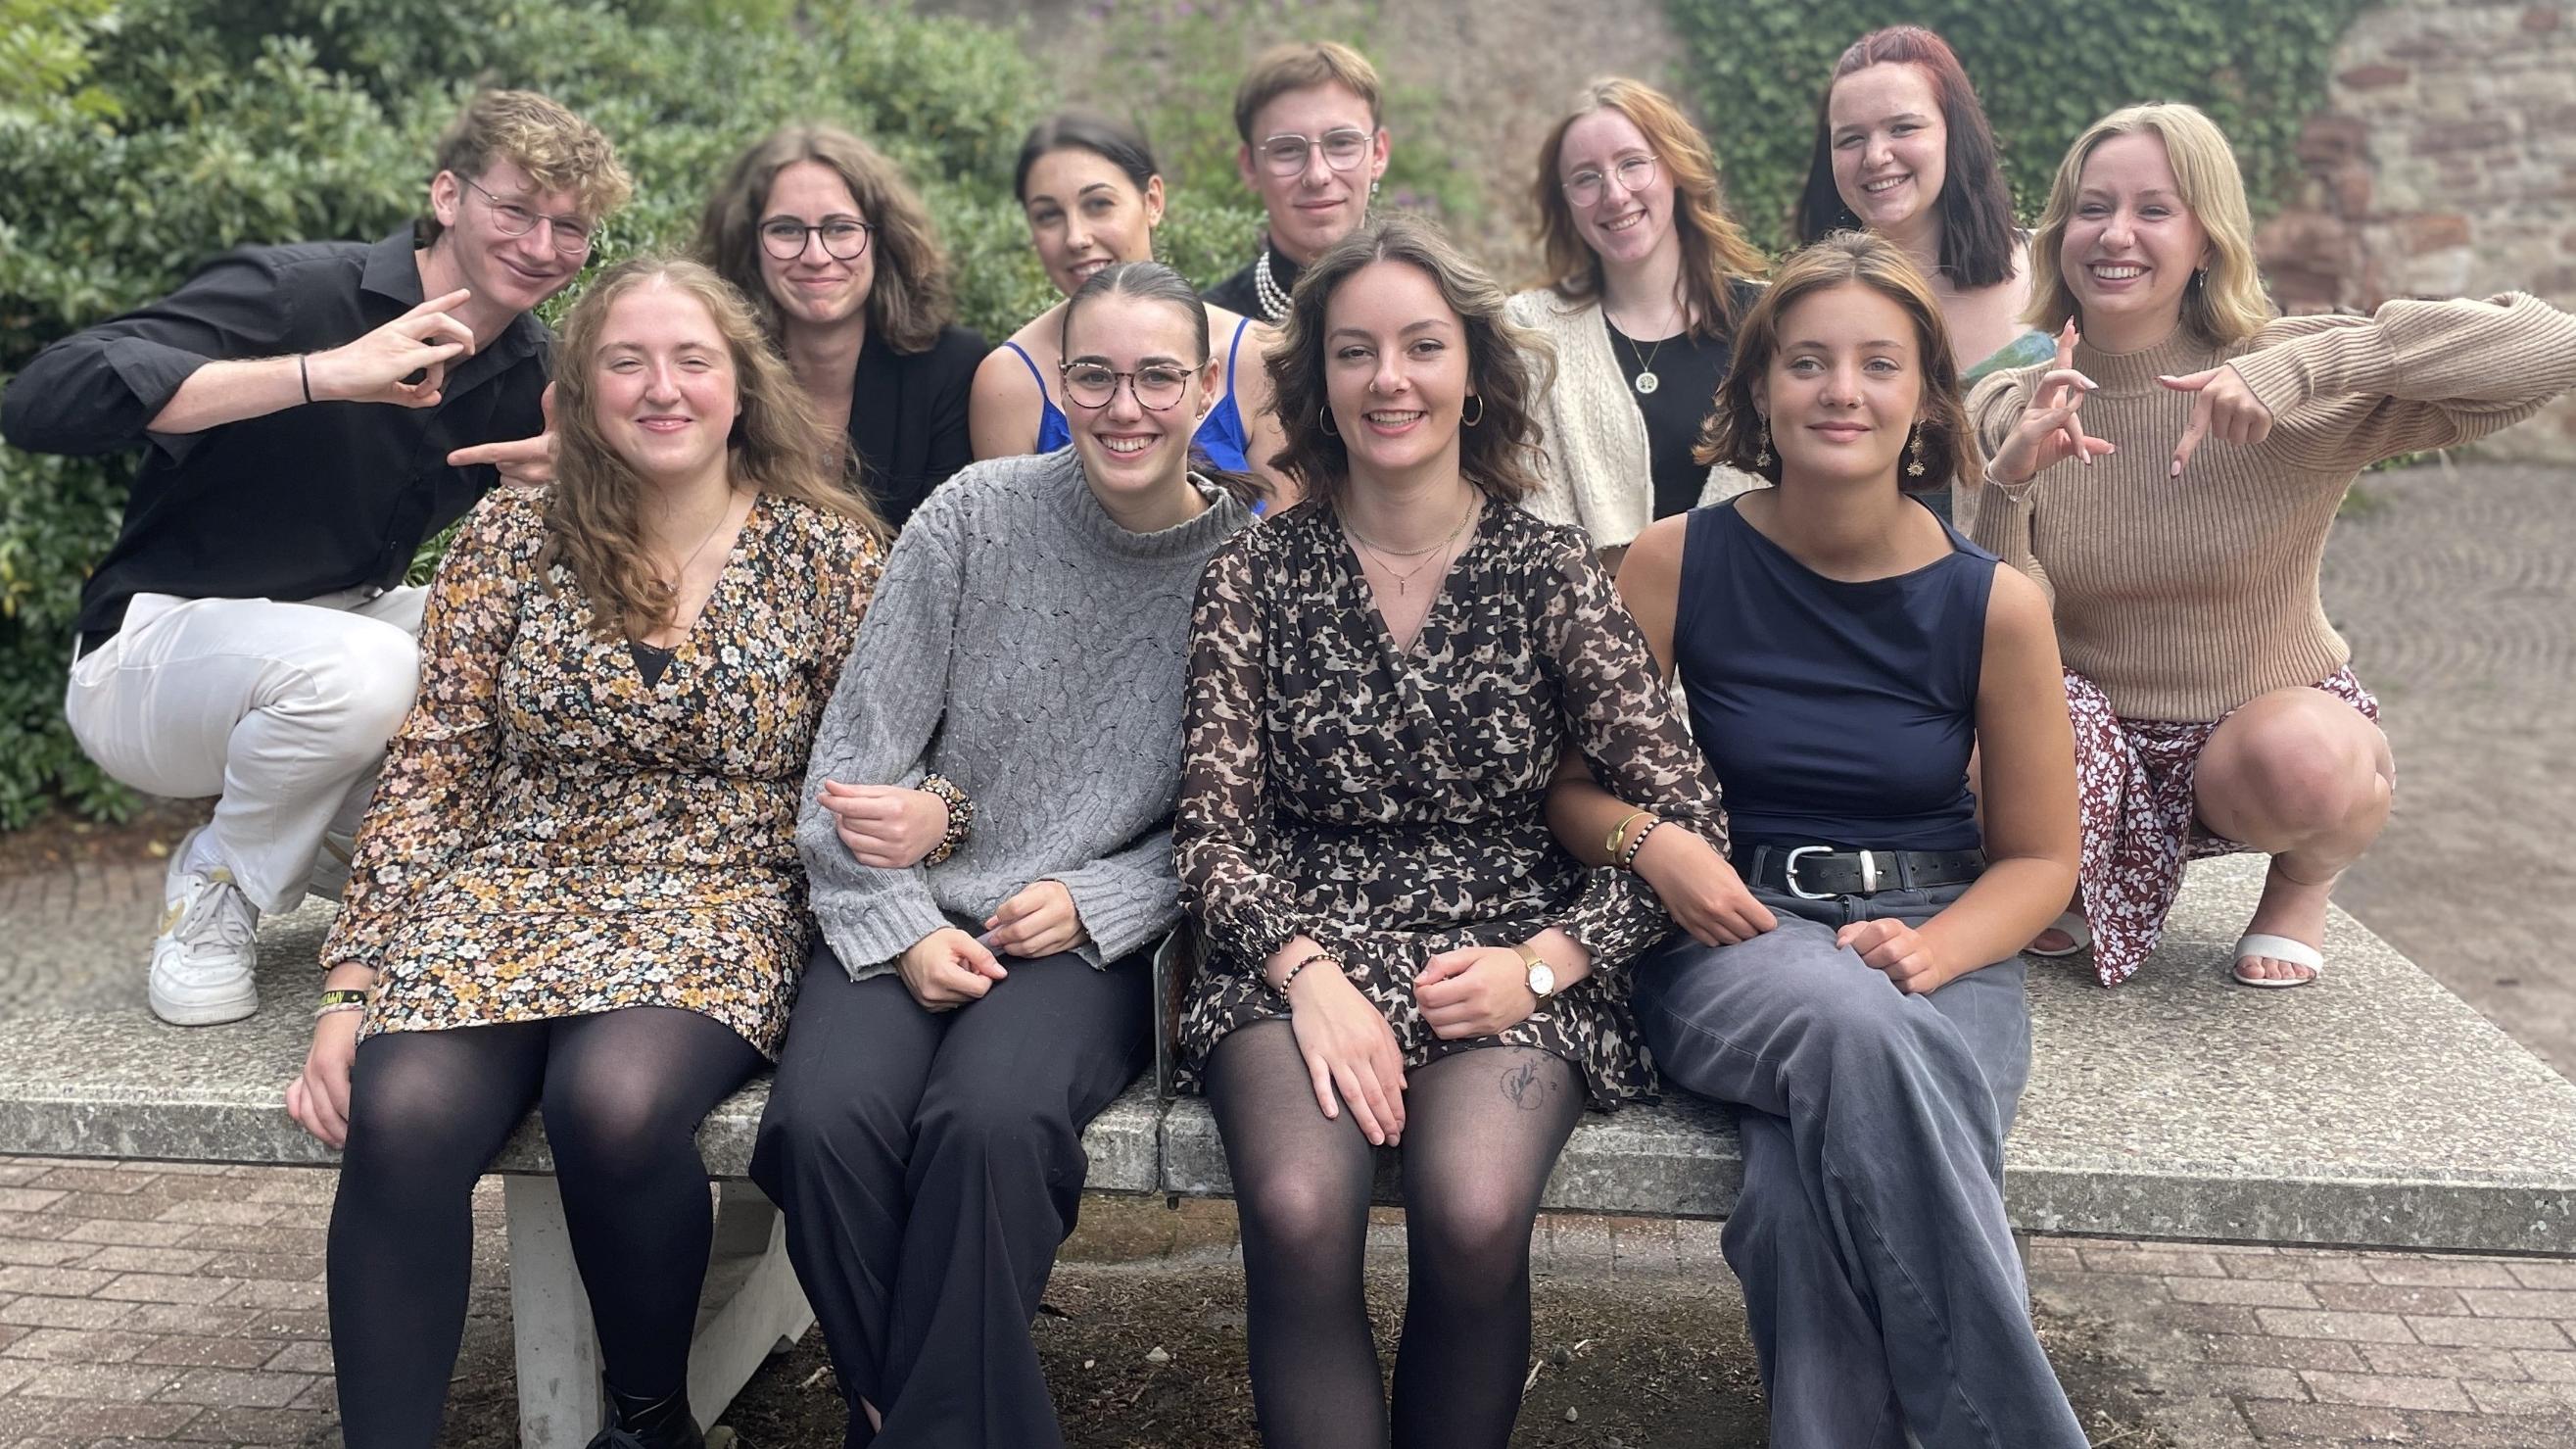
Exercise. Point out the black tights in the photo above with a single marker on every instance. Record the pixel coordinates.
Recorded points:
(1481, 1130)
(622, 1094)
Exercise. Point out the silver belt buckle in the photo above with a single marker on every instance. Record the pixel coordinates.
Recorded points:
(1789, 872)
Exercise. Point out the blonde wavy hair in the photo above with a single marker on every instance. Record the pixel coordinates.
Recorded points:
(2224, 306)
(559, 150)
(594, 515)
(1508, 366)
(1715, 252)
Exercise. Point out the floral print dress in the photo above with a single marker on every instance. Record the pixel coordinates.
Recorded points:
(552, 836)
(1391, 804)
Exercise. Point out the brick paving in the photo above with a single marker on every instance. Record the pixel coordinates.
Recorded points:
(184, 1304)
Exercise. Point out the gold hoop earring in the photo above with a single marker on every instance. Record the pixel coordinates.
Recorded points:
(1465, 421)
(1762, 459)
(1914, 469)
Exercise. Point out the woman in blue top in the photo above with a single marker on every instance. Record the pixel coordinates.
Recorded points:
(1843, 651)
(1093, 197)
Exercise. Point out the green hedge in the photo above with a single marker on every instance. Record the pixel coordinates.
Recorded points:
(2045, 68)
(139, 138)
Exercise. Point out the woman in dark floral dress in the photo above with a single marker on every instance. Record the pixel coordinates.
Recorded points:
(577, 887)
(1382, 682)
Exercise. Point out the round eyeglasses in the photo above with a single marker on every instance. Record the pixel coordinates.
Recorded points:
(1157, 385)
(572, 237)
(1635, 173)
(843, 238)
(1286, 153)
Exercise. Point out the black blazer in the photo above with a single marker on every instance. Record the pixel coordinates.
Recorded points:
(908, 417)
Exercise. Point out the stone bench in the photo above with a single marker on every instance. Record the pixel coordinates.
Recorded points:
(2373, 1110)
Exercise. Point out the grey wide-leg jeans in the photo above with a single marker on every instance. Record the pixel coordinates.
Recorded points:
(1879, 1276)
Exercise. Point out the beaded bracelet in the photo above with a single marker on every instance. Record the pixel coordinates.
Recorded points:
(1628, 857)
(961, 817)
(1302, 963)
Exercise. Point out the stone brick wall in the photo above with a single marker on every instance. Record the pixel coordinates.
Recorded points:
(2444, 164)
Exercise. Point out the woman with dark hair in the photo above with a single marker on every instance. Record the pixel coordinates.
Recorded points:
(1903, 148)
(1843, 651)
(2215, 706)
(838, 257)
(1382, 681)
(1093, 197)
(1650, 276)
(1025, 657)
(577, 888)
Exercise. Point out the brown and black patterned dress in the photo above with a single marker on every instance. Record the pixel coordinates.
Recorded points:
(1392, 804)
(552, 836)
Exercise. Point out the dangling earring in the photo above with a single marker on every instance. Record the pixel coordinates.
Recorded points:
(2199, 277)
(1465, 421)
(1329, 430)
(1763, 459)
(1914, 469)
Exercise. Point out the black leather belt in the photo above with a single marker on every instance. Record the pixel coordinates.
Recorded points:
(1815, 872)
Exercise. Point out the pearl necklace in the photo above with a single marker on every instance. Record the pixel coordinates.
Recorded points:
(1274, 302)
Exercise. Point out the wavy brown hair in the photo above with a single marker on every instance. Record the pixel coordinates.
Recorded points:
(2225, 303)
(911, 298)
(594, 514)
(1715, 252)
(1735, 431)
(1507, 365)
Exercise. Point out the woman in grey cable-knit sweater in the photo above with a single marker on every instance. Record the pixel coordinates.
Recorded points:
(978, 994)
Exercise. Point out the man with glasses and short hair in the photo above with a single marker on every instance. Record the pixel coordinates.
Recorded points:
(307, 415)
(1313, 150)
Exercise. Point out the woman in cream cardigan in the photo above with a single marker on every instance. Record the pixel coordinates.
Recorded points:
(1651, 277)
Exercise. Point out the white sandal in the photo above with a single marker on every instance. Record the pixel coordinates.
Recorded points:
(2078, 933)
(2276, 948)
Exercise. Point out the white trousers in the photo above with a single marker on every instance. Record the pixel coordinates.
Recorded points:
(281, 710)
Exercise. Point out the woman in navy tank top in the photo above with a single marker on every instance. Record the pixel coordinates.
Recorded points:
(1849, 980)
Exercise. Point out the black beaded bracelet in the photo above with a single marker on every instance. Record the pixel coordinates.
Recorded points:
(1628, 857)
(1302, 963)
(961, 817)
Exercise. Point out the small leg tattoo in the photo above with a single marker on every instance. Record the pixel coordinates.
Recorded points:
(1526, 1087)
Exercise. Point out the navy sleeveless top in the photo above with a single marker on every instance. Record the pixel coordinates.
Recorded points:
(1833, 713)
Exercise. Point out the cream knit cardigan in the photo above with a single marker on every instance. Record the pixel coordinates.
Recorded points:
(1598, 475)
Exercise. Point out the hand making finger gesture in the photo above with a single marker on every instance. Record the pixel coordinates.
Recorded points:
(2222, 407)
(2050, 430)
(524, 463)
(420, 342)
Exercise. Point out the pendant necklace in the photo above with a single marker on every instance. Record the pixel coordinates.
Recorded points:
(1402, 580)
(1647, 382)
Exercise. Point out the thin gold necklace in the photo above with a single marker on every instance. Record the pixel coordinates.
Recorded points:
(1405, 579)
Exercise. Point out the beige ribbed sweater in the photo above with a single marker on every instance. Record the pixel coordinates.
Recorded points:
(2184, 598)
(1599, 476)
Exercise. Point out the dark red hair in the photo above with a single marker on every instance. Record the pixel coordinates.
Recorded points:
(1977, 232)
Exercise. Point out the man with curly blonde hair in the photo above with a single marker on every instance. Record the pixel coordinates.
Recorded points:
(307, 415)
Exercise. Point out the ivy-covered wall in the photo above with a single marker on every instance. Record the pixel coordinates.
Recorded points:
(2045, 68)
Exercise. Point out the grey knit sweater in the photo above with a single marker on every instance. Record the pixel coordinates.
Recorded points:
(1032, 651)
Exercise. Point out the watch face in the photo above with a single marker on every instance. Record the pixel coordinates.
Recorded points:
(1542, 979)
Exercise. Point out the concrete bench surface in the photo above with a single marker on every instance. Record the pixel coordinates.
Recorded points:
(2374, 1109)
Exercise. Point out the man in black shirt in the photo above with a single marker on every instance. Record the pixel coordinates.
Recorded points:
(1313, 150)
(308, 414)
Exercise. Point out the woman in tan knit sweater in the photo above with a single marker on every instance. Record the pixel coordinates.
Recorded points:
(1650, 278)
(2170, 479)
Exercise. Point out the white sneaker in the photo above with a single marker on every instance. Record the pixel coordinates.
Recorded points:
(201, 962)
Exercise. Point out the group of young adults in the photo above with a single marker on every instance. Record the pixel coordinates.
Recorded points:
(835, 693)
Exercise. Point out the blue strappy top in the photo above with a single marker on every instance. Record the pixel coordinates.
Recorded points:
(1221, 438)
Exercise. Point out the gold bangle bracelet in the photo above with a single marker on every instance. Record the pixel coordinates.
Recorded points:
(1619, 832)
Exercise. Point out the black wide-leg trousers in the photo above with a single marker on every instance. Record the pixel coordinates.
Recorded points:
(929, 1165)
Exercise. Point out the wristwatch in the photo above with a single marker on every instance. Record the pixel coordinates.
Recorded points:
(1542, 976)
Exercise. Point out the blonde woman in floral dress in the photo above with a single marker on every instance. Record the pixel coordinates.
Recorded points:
(577, 888)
